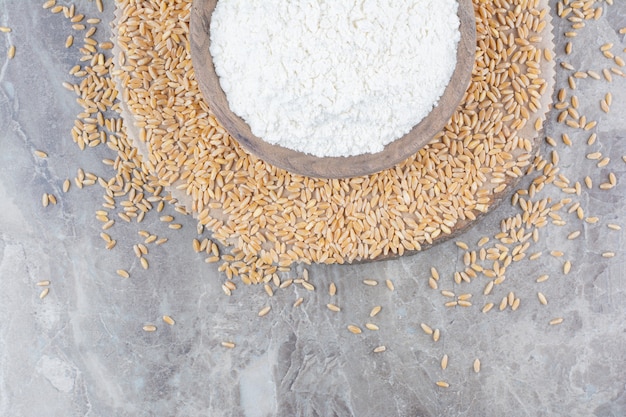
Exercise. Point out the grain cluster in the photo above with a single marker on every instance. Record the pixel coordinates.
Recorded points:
(270, 218)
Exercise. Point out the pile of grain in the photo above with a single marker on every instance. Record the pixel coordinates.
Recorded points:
(271, 218)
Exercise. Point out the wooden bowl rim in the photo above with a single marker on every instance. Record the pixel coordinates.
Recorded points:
(330, 167)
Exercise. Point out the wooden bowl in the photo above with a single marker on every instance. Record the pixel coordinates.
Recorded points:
(330, 167)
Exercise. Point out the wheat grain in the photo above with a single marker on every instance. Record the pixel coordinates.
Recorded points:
(123, 273)
(573, 235)
(476, 365)
(333, 307)
(426, 328)
(542, 278)
(567, 266)
(436, 335)
(375, 311)
(354, 329)
(542, 298)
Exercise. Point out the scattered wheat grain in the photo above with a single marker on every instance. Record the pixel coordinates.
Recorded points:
(567, 266)
(444, 361)
(123, 273)
(354, 329)
(375, 311)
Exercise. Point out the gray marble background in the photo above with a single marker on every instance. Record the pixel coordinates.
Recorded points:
(81, 351)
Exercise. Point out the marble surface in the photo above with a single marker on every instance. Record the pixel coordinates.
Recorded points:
(81, 351)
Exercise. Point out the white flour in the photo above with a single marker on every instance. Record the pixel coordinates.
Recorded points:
(334, 77)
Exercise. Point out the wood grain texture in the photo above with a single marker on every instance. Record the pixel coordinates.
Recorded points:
(329, 167)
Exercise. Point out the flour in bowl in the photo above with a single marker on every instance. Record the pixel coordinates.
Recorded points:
(334, 78)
